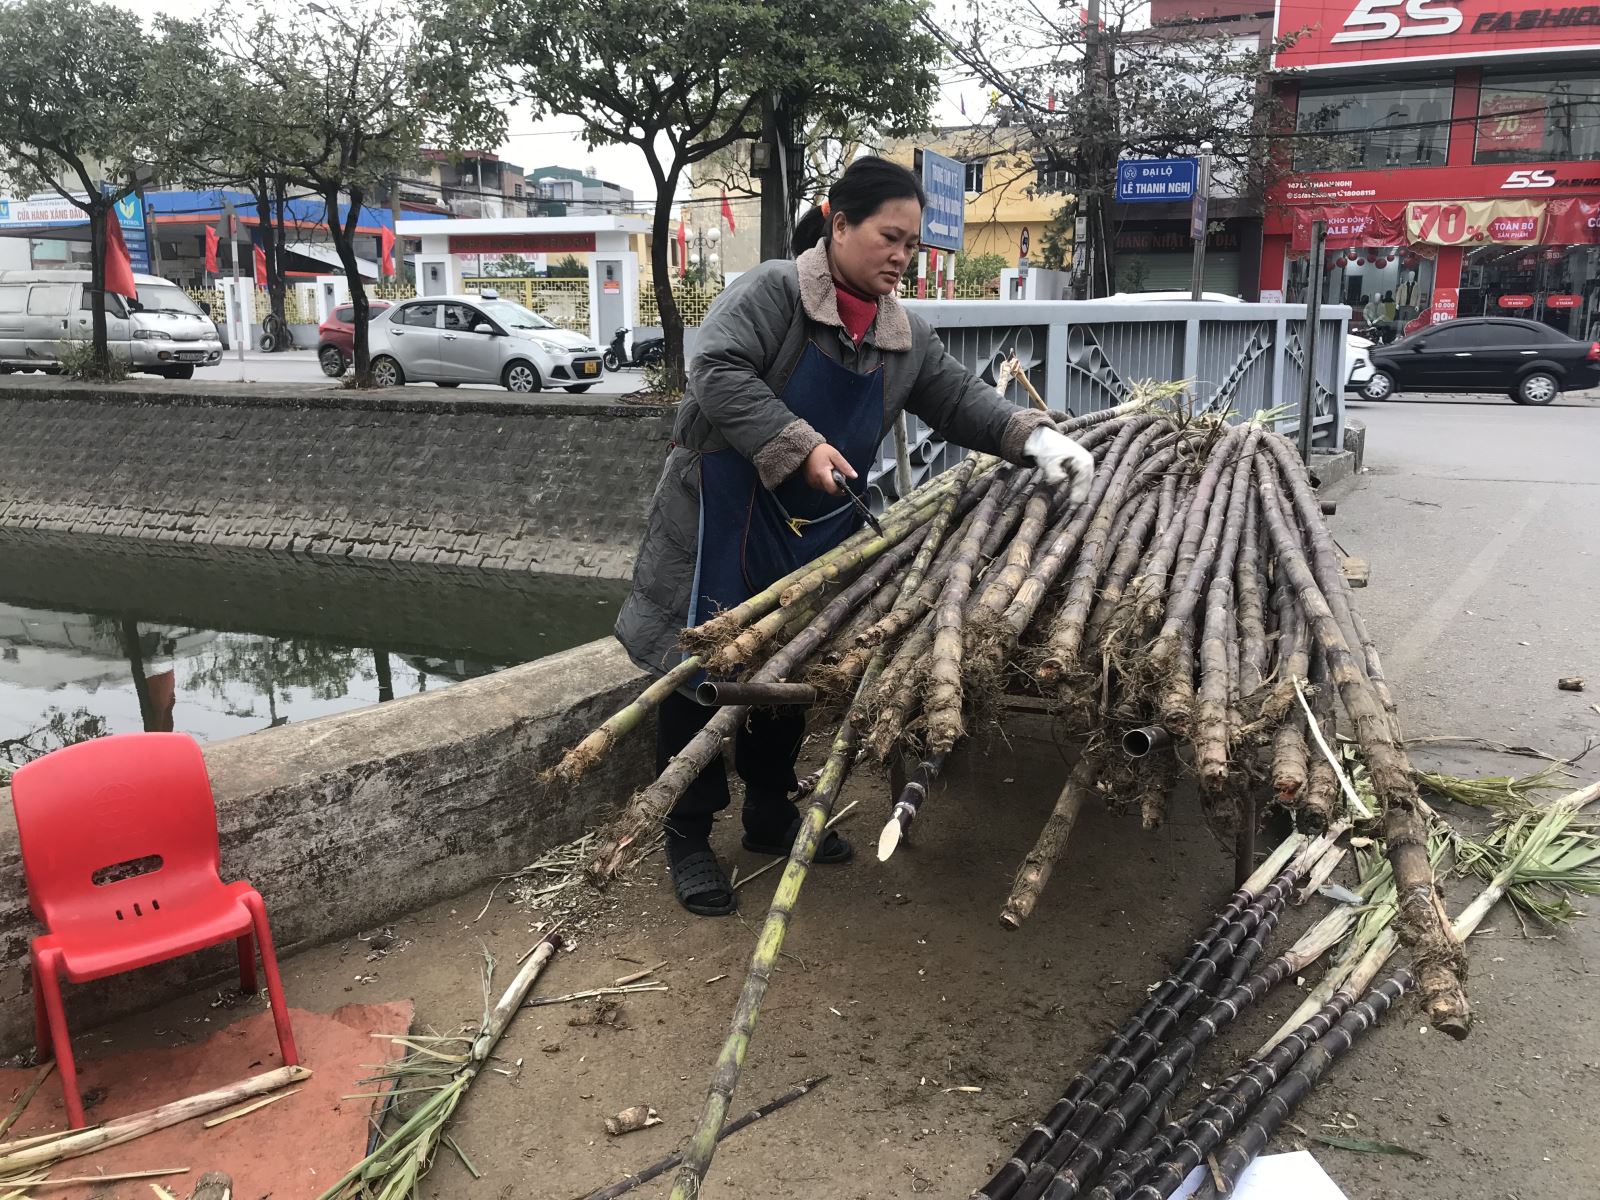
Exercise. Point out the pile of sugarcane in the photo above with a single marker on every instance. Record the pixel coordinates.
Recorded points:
(1116, 1132)
(1192, 608)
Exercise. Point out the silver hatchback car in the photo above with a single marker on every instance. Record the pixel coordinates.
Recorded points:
(451, 340)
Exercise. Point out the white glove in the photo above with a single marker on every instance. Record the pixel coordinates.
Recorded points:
(1059, 457)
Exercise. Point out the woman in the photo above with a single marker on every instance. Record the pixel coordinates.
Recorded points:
(800, 369)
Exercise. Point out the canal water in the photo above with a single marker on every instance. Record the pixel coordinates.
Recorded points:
(102, 639)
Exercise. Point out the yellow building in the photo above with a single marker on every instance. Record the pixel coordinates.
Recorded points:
(1007, 190)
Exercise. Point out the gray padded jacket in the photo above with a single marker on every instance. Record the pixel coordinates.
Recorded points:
(750, 343)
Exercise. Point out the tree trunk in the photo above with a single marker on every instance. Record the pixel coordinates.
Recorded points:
(271, 243)
(344, 242)
(99, 210)
(676, 376)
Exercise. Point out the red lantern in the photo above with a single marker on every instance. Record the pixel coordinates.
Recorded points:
(1361, 262)
(1380, 262)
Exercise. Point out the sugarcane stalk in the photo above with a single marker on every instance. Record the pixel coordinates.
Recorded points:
(1041, 860)
(1249, 587)
(1216, 647)
(582, 758)
(1440, 963)
(1080, 1170)
(702, 1144)
(1066, 632)
(1179, 544)
(898, 520)
(716, 693)
(1158, 1029)
(908, 804)
(1172, 656)
(1130, 549)
(650, 805)
(1159, 770)
(1147, 1029)
(75, 1143)
(942, 705)
(645, 1174)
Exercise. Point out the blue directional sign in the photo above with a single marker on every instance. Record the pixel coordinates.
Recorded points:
(130, 216)
(1156, 180)
(944, 219)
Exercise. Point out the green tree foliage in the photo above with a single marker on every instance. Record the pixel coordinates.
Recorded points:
(979, 270)
(568, 268)
(84, 111)
(683, 81)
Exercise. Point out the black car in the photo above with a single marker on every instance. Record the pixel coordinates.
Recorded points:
(1529, 361)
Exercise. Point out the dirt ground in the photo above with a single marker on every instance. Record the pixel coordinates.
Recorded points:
(900, 984)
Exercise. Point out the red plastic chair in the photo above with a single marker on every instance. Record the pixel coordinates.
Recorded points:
(88, 817)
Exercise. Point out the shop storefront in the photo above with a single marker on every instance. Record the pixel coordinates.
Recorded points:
(1454, 178)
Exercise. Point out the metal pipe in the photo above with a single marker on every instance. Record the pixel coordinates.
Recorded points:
(716, 694)
(1137, 743)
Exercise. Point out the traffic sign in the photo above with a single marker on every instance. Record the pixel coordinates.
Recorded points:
(1156, 180)
(1022, 251)
(944, 180)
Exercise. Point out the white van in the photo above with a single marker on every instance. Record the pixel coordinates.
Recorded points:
(163, 332)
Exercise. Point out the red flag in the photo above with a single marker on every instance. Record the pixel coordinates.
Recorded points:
(1052, 104)
(261, 266)
(727, 211)
(211, 249)
(118, 266)
(683, 249)
(386, 252)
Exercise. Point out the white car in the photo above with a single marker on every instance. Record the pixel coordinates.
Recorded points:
(1357, 361)
(451, 340)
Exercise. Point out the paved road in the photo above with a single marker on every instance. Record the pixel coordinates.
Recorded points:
(1479, 517)
(300, 366)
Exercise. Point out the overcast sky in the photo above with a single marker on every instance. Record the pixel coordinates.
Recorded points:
(555, 141)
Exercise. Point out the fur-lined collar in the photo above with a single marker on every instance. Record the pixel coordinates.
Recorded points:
(890, 331)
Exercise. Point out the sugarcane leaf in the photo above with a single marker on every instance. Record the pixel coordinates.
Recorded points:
(1365, 1145)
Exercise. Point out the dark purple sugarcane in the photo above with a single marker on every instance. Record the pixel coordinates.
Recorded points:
(1268, 1116)
(1081, 1168)
(1125, 1054)
(1153, 1038)
(1181, 1147)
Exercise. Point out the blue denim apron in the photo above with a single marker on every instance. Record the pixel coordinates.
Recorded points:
(751, 537)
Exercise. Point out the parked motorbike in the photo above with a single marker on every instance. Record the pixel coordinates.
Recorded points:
(645, 347)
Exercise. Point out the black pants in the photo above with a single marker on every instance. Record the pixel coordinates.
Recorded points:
(764, 754)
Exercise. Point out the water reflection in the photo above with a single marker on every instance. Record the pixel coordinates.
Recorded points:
(108, 640)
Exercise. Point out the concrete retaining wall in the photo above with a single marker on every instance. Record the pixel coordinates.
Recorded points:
(345, 822)
(411, 475)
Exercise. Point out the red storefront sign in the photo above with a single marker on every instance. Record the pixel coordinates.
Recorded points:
(1351, 225)
(1443, 308)
(521, 243)
(1531, 181)
(1354, 32)
(1563, 301)
(1572, 222)
(1507, 122)
(1515, 302)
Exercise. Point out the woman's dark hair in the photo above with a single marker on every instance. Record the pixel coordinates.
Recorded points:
(866, 186)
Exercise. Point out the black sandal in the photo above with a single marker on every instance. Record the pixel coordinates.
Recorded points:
(701, 886)
(834, 849)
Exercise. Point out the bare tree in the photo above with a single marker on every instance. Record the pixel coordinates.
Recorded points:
(1079, 98)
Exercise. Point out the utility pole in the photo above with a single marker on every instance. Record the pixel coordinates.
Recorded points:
(238, 327)
(774, 160)
(1308, 391)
